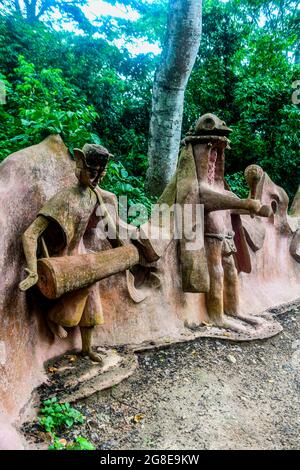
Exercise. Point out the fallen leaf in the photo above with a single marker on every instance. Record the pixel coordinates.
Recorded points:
(72, 358)
(138, 417)
(52, 369)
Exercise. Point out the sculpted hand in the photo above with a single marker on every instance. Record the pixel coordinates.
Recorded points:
(253, 206)
(30, 280)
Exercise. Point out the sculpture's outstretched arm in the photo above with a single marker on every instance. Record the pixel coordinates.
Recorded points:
(215, 201)
(264, 211)
(30, 241)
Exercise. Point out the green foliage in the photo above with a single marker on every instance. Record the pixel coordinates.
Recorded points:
(237, 184)
(89, 88)
(57, 444)
(244, 73)
(80, 443)
(101, 78)
(56, 416)
(33, 11)
(121, 183)
(43, 103)
(151, 23)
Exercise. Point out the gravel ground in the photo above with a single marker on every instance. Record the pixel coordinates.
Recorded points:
(208, 394)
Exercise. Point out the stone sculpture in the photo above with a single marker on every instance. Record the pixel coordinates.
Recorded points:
(212, 268)
(183, 307)
(294, 222)
(58, 232)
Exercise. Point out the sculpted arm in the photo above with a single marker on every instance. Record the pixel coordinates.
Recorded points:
(215, 201)
(30, 241)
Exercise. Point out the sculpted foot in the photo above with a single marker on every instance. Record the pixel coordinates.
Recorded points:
(96, 357)
(86, 335)
(57, 330)
(230, 324)
(251, 319)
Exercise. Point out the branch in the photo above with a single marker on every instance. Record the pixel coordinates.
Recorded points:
(17, 7)
(77, 15)
(46, 5)
(27, 5)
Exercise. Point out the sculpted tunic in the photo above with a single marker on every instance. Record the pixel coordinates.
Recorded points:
(69, 213)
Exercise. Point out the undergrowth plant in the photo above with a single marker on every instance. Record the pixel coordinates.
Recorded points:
(80, 443)
(55, 417)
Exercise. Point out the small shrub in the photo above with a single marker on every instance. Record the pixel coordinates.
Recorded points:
(80, 443)
(56, 416)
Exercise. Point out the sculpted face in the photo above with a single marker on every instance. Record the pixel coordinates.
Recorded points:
(91, 167)
(91, 176)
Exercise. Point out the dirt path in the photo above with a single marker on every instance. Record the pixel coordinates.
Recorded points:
(209, 394)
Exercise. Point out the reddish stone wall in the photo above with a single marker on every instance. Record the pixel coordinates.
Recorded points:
(30, 177)
(27, 179)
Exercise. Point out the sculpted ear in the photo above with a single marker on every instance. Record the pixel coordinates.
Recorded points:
(79, 158)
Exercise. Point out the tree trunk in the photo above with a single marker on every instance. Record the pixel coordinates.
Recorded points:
(30, 10)
(17, 7)
(177, 61)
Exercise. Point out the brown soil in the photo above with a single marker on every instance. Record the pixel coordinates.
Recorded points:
(206, 394)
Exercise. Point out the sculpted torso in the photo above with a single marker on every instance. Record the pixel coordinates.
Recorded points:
(222, 300)
(218, 222)
(58, 230)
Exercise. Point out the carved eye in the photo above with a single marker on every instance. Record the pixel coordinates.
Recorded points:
(274, 206)
(209, 123)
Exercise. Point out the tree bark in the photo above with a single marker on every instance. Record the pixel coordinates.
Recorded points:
(17, 7)
(177, 61)
(30, 10)
(45, 5)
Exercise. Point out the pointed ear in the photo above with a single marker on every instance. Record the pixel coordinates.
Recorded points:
(79, 158)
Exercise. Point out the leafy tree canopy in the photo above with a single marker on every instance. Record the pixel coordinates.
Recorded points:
(86, 85)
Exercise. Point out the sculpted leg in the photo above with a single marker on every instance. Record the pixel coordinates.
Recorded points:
(215, 296)
(86, 337)
(91, 316)
(66, 312)
(56, 329)
(231, 292)
(231, 286)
